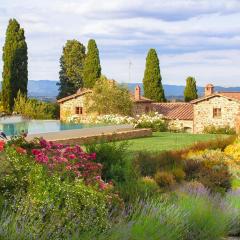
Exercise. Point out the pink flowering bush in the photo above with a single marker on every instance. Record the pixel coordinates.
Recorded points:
(69, 160)
(56, 180)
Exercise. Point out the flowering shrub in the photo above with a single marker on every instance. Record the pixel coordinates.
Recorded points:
(56, 180)
(155, 120)
(211, 129)
(72, 160)
(2, 143)
(175, 126)
(211, 169)
(234, 149)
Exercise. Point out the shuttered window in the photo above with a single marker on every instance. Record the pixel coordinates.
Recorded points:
(217, 113)
(78, 110)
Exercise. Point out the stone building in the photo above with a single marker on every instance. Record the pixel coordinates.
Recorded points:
(215, 109)
(178, 114)
(73, 105)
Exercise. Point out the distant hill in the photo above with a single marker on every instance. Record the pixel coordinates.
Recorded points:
(175, 91)
(42, 88)
(48, 89)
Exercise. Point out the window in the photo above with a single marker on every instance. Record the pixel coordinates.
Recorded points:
(217, 112)
(147, 109)
(78, 110)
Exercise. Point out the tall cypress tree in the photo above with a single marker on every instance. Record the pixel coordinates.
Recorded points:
(152, 81)
(92, 67)
(15, 65)
(71, 68)
(190, 92)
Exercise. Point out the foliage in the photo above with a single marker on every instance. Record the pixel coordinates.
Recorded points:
(57, 182)
(178, 174)
(189, 215)
(35, 109)
(71, 68)
(112, 156)
(210, 168)
(219, 130)
(92, 67)
(164, 179)
(234, 149)
(190, 91)
(152, 81)
(15, 64)
(205, 218)
(149, 163)
(109, 98)
(233, 208)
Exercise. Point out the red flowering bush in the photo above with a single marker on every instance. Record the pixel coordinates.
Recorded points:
(2, 143)
(69, 159)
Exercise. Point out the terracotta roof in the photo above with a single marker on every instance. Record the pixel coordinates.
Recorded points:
(77, 94)
(141, 100)
(235, 95)
(228, 95)
(181, 111)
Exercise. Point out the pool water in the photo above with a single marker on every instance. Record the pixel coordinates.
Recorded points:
(16, 126)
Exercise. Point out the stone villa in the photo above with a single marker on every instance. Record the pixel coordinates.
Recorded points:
(217, 109)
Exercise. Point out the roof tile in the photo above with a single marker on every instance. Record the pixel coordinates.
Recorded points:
(181, 111)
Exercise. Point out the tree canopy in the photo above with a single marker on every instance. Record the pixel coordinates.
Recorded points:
(92, 67)
(109, 98)
(71, 68)
(190, 92)
(152, 81)
(15, 65)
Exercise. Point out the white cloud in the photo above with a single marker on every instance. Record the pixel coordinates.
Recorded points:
(200, 38)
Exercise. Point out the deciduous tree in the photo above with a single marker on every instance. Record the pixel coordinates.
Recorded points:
(109, 98)
(71, 68)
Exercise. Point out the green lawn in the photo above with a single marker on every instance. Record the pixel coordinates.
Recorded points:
(161, 141)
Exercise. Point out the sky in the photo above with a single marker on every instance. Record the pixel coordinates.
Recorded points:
(199, 38)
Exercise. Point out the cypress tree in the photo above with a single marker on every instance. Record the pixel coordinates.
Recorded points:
(190, 92)
(15, 65)
(71, 68)
(152, 81)
(92, 67)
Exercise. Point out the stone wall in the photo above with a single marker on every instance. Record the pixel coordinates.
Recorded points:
(203, 113)
(120, 135)
(141, 108)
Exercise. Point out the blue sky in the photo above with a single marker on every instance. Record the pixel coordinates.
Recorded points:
(192, 37)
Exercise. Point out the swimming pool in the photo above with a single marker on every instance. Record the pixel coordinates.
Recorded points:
(15, 125)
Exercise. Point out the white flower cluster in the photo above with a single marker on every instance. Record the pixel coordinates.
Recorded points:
(175, 126)
(114, 119)
(149, 119)
(143, 120)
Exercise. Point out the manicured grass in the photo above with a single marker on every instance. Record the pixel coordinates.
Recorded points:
(161, 141)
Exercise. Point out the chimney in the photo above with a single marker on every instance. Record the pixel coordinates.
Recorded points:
(209, 90)
(137, 93)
